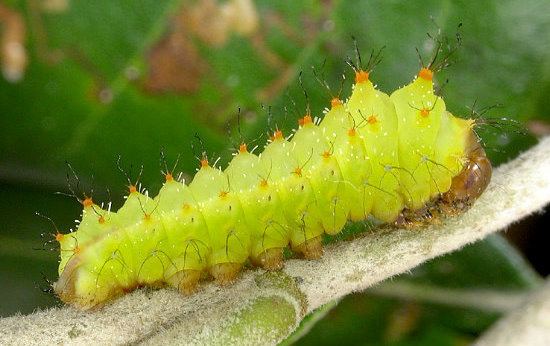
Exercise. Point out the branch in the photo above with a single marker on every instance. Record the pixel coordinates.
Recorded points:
(263, 307)
(529, 324)
(473, 298)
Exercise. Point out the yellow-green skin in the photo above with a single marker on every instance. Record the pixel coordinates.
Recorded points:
(373, 155)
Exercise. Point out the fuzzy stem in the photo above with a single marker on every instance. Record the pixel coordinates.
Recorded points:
(264, 308)
(528, 324)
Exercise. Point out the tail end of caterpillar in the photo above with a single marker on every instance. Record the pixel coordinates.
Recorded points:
(68, 290)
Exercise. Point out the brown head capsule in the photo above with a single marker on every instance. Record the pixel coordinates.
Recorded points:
(474, 178)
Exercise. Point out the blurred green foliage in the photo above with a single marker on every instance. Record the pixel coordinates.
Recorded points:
(85, 98)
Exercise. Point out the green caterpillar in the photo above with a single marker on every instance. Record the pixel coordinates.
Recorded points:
(379, 155)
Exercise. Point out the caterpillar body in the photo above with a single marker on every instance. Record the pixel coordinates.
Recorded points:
(374, 154)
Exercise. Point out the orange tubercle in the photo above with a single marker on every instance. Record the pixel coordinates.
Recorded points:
(87, 202)
(305, 120)
(101, 219)
(298, 171)
(243, 148)
(326, 154)
(204, 162)
(424, 112)
(168, 176)
(361, 76)
(59, 237)
(372, 119)
(277, 135)
(223, 194)
(335, 102)
(263, 183)
(426, 74)
(352, 132)
(132, 189)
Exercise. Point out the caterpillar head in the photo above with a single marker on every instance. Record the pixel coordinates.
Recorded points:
(475, 176)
